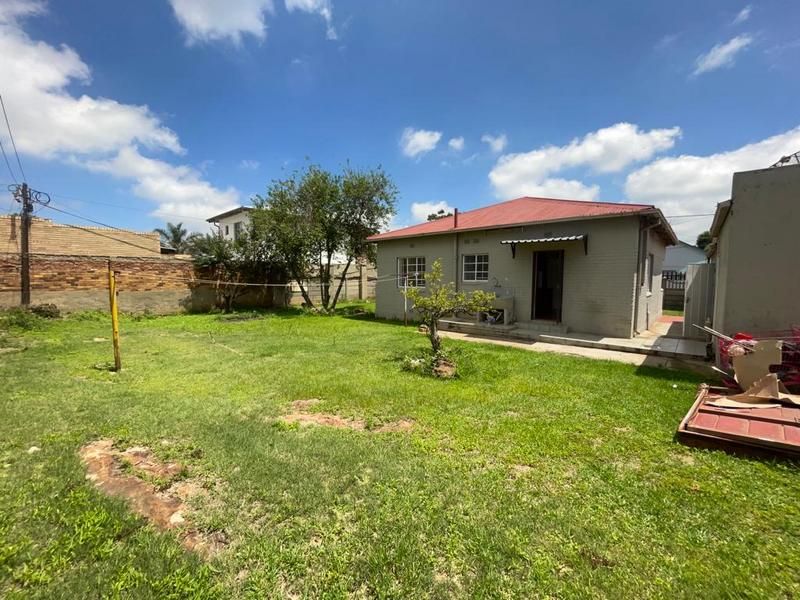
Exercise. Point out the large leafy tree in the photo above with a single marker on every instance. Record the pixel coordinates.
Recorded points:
(175, 236)
(315, 219)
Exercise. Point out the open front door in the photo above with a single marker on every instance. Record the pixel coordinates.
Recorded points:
(548, 281)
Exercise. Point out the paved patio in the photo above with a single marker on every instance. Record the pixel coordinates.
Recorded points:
(662, 340)
(630, 358)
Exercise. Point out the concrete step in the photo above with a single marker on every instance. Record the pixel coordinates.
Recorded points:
(668, 347)
(540, 327)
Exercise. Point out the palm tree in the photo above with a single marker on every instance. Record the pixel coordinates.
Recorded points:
(174, 236)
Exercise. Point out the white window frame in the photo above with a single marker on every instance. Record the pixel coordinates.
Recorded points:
(238, 227)
(415, 276)
(475, 272)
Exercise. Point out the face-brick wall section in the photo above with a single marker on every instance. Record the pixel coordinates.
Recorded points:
(158, 284)
(55, 239)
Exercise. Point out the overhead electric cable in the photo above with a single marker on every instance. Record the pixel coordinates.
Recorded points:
(13, 144)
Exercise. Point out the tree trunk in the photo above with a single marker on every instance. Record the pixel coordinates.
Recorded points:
(341, 281)
(323, 285)
(304, 293)
(433, 335)
(227, 298)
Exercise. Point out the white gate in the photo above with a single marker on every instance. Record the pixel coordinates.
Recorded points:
(698, 303)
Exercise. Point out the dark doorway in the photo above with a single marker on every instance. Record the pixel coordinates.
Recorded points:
(548, 280)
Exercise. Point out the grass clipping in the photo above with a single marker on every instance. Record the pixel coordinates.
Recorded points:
(130, 474)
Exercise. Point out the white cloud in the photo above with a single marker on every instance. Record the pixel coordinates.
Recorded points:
(721, 55)
(179, 190)
(11, 10)
(322, 8)
(667, 41)
(212, 20)
(47, 118)
(249, 165)
(497, 143)
(691, 184)
(421, 210)
(743, 15)
(416, 142)
(606, 150)
(52, 123)
(456, 143)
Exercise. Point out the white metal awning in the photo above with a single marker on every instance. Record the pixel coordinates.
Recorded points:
(584, 237)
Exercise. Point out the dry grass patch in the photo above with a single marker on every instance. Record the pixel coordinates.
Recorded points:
(300, 416)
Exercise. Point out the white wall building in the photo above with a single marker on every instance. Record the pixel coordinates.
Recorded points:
(231, 224)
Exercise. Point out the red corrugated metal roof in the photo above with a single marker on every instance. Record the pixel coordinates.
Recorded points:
(517, 212)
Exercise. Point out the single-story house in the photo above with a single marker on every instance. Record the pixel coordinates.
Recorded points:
(590, 267)
(232, 223)
(756, 247)
(681, 255)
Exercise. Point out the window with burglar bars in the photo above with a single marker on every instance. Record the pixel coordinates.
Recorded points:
(411, 271)
(476, 267)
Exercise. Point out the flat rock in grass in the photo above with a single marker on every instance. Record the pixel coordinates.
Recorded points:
(166, 510)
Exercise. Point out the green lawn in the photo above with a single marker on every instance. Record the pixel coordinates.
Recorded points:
(672, 313)
(532, 475)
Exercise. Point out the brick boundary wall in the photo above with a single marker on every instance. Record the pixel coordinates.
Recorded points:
(75, 283)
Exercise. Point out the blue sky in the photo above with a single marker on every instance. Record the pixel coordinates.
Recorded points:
(177, 109)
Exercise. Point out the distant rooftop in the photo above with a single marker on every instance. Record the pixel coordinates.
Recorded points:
(229, 213)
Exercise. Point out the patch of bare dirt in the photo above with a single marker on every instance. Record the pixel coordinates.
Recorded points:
(395, 426)
(301, 405)
(520, 470)
(125, 474)
(302, 417)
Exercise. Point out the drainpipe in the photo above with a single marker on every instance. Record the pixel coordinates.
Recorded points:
(456, 266)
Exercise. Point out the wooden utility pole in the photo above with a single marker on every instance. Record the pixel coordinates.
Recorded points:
(25, 256)
(112, 299)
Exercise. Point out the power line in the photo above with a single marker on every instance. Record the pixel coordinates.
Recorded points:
(13, 144)
(71, 199)
(689, 216)
(8, 164)
(95, 232)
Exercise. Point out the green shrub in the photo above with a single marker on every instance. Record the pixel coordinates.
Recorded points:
(20, 318)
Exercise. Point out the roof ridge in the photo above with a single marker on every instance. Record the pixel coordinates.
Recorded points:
(603, 202)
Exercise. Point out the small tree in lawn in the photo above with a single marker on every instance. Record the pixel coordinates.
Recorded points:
(439, 300)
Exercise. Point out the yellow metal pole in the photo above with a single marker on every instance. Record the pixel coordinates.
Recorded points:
(112, 300)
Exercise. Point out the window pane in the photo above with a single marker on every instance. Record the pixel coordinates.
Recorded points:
(476, 267)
